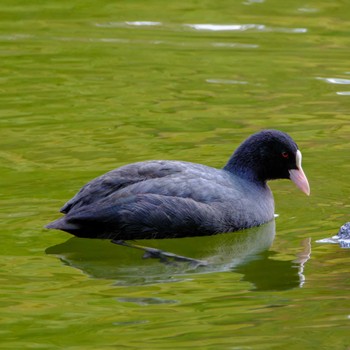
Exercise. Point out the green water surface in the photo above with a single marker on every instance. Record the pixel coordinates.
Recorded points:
(87, 86)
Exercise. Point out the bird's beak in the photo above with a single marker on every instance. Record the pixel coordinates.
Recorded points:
(298, 176)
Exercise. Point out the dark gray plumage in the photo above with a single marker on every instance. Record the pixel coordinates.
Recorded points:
(163, 199)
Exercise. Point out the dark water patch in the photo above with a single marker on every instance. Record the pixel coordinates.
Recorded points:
(147, 301)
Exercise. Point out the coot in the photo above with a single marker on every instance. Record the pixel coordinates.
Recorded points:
(166, 199)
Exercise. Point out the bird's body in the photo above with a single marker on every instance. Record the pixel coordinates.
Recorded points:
(159, 199)
(166, 199)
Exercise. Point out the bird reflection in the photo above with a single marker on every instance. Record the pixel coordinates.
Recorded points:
(244, 252)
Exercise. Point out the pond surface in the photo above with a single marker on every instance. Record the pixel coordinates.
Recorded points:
(88, 86)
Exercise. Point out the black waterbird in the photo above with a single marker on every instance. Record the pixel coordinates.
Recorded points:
(168, 199)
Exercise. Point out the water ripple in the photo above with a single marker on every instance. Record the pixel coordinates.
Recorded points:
(147, 301)
(343, 242)
(128, 24)
(243, 27)
(144, 23)
(116, 40)
(226, 81)
(157, 42)
(308, 9)
(203, 26)
(338, 81)
(225, 27)
(253, 2)
(343, 93)
(15, 37)
(236, 45)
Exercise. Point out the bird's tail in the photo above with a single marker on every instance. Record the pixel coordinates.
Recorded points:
(63, 225)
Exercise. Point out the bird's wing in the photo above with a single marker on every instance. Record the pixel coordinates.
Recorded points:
(120, 178)
(145, 216)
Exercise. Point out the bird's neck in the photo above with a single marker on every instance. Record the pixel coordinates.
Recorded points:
(246, 166)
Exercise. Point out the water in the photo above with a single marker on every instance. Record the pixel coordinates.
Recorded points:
(89, 86)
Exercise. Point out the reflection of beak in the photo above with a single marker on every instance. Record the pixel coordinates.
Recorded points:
(298, 176)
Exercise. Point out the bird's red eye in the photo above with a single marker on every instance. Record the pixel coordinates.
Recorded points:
(285, 155)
